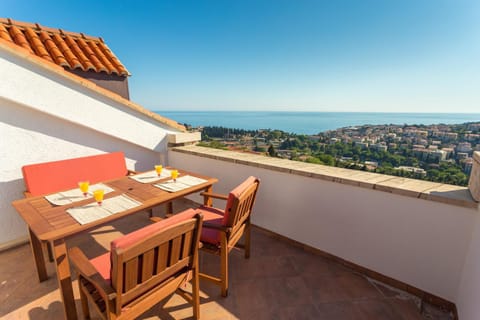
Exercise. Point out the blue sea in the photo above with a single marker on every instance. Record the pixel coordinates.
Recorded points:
(310, 122)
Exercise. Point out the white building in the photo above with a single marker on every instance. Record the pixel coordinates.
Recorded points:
(47, 114)
(465, 147)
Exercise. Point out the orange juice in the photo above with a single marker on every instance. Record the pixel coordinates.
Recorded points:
(158, 169)
(174, 174)
(98, 195)
(83, 185)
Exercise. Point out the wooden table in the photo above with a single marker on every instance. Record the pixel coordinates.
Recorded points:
(50, 223)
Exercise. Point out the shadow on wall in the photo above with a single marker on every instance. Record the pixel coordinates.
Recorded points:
(11, 221)
(454, 194)
(29, 120)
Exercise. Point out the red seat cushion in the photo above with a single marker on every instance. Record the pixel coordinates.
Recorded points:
(103, 265)
(212, 216)
(49, 177)
(235, 193)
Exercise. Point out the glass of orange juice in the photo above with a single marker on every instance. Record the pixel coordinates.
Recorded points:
(174, 174)
(158, 169)
(98, 195)
(83, 185)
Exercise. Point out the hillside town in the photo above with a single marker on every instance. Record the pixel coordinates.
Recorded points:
(441, 153)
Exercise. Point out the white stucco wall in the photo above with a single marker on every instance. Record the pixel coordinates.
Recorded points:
(29, 136)
(46, 117)
(419, 242)
(39, 88)
(469, 290)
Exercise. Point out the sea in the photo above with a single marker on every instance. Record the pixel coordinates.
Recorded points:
(310, 122)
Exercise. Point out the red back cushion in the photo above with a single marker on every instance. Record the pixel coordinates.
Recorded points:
(235, 193)
(141, 234)
(49, 177)
(103, 263)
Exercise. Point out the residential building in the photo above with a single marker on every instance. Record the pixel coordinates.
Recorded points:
(464, 147)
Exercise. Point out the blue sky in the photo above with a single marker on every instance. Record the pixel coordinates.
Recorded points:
(286, 55)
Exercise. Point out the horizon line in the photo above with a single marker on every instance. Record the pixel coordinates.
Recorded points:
(310, 111)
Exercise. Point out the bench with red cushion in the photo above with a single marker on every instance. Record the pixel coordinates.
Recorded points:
(54, 176)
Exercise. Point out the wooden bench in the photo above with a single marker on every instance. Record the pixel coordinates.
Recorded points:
(50, 177)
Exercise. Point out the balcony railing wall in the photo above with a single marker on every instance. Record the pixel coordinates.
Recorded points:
(422, 243)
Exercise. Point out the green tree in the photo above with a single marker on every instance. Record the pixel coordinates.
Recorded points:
(271, 151)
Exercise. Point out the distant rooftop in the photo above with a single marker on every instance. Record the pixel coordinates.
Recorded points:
(74, 51)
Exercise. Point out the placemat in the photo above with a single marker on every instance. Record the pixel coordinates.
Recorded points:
(74, 195)
(92, 211)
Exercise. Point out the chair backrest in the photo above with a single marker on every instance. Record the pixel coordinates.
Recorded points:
(163, 252)
(54, 176)
(240, 203)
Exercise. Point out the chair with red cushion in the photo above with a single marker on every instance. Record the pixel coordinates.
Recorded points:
(142, 268)
(223, 228)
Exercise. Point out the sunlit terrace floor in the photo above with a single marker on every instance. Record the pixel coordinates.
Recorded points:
(279, 281)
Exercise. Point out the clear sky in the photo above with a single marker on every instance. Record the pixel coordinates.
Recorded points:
(289, 55)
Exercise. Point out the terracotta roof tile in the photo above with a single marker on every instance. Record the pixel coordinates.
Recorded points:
(37, 44)
(19, 38)
(72, 44)
(4, 33)
(67, 53)
(54, 51)
(68, 49)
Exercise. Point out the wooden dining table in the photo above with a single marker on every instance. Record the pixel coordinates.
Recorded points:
(53, 224)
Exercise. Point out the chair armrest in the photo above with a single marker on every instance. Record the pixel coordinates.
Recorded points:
(214, 195)
(88, 271)
(155, 219)
(131, 172)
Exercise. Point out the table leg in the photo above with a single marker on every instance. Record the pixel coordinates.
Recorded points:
(169, 209)
(207, 201)
(38, 257)
(64, 279)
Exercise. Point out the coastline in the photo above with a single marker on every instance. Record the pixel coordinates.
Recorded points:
(311, 122)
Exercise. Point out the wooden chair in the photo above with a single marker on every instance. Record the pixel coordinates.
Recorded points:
(142, 268)
(223, 228)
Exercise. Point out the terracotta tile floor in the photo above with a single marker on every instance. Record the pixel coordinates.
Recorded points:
(279, 281)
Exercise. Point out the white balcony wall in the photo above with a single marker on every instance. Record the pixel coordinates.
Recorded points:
(419, 242)
(469, 291)
(46, 116)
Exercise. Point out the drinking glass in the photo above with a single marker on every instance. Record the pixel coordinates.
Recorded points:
(98, 195)
(83, 185)
(174, 174)
(158, 169)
